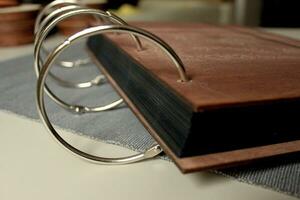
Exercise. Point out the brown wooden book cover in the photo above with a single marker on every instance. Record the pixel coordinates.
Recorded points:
(17, 23)
(229, 67)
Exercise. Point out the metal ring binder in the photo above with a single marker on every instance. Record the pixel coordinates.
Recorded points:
(43, 69)
(40, 27)
(154, 150)
(69, 5)
(45, 11)
(40, 24)
(42, 34)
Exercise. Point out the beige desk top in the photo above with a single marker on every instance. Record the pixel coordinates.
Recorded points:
(33, 166)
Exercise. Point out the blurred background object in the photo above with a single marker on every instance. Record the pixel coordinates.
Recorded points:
(5, 3)
(267, 13)
(17, 23)
(264, 13)
(206, 11)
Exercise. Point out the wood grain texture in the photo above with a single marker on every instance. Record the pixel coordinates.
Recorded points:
(229, 66)
(7, 3)
(208, 161)
(17, 24)
(15, 39)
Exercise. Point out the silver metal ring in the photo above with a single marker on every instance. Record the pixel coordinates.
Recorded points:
(149, 153)
(130, 30)
(37, 62)
(154, 150)
(47, 9)
(40, 24)
(42, 35)
(69, 5)
(38, 30)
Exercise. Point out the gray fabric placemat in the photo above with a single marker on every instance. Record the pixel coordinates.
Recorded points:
(118, 126)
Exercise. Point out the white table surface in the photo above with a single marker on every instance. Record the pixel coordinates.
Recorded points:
(33, 166)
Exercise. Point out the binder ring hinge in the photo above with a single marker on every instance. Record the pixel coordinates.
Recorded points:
(42, 34)
(149, 153)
